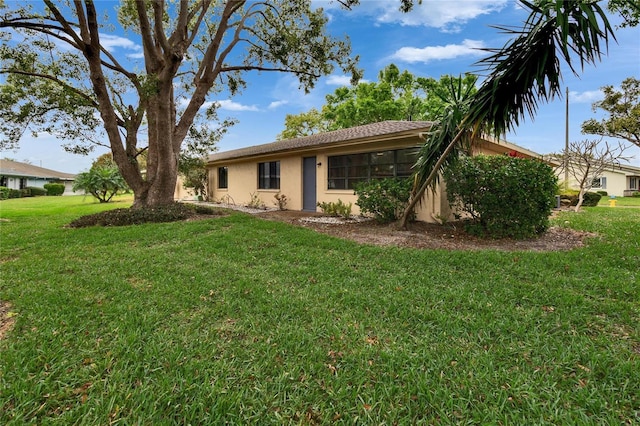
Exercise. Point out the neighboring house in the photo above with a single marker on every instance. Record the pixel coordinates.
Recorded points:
(325, 167)
(620, 180)
(16, 175)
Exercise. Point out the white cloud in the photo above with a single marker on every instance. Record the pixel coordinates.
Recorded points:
(226, 104)
(585, 97)
(436, 53)
(342, 80)
(339, 80)
(276, 104)
(446, 15)
(230, 105)
(110, 42)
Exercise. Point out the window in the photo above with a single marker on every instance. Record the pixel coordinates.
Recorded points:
(5, 182)
(600, 182)
(345, 171)
(23, 183)
(269, 175)
(633, 183)
(223, 177)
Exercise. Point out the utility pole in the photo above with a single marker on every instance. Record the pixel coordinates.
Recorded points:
(566, 143)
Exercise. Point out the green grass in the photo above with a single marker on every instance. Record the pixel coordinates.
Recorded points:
(243, 321)
(621, 201)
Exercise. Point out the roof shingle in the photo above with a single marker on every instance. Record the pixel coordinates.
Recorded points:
(383, 128)
(15, 168)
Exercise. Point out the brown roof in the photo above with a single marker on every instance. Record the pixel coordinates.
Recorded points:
(384, 128)
(15, 168)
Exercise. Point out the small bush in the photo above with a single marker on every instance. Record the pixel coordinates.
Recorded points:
(16, 193)
(36, 191)
(123, 217)
(336, 209)
(385, 199)
(54, 188)
(591, 199)
(504, 196)
(4, 192)
(636, 194)
(281, 201)
(603, 193)
(256, 202)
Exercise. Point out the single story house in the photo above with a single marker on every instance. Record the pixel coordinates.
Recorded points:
(620, 180)
(326, 166)
(16, 175)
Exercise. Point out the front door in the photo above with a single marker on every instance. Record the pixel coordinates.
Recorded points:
(309, 183)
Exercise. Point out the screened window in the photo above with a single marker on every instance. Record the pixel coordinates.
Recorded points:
(269, 175)
(223, 177)
(345, 171)
(633, 183)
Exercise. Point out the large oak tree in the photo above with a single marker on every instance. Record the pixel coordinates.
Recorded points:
(62, 78)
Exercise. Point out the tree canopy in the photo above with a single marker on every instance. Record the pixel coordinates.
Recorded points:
(397, 95)
(623, 109)
(62, 78)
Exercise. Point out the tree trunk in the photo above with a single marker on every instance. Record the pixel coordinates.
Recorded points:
(580, 199)
(420, 192)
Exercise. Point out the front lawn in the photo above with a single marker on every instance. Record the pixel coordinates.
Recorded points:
(240, 320)
(621, 201)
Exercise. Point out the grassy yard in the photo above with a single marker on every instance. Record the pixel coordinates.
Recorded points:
(621, 201)
(244, 321)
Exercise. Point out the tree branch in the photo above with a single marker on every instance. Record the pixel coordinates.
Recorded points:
(65, 24)
(151, 54)
(158, 30)
(55, 80)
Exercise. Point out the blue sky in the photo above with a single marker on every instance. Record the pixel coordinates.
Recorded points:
(439, 37)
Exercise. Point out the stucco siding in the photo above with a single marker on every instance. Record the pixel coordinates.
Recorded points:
(242, 166)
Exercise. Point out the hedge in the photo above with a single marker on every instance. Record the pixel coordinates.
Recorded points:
(503, 196)
(54, 188)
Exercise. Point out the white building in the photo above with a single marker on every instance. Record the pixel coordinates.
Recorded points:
(16, 175)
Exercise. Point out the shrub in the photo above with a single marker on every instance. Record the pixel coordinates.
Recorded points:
(385, 199)
(123, 217)
(256, 202)
(54, 188)
(16, 193)
(4, 192)
(504, 196)
(336, 209)
(636, 194)
(591, 199)
(603, 193)
(281, 201)
(36, 191)
(101, 182)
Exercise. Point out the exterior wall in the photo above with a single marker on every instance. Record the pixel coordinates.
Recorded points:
(13, 182)
(242, 182)
(617, 181)
(182, 193)
(243, 176)
(243, 179)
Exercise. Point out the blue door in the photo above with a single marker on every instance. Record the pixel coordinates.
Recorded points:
(309, 183)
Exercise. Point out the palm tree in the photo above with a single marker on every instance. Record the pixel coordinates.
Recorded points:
(455, 95)
(521, 74)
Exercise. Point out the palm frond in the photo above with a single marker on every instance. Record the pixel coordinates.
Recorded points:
(527, 70)
(455, 98)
